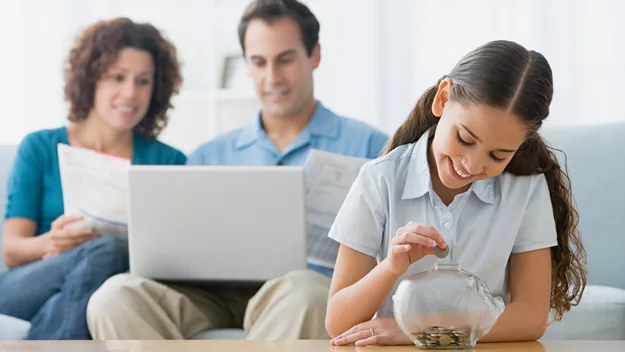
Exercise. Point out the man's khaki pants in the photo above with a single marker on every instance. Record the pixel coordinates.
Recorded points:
(128, 307)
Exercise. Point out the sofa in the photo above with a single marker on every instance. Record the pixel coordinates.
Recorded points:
(595, 157)
(10, 328)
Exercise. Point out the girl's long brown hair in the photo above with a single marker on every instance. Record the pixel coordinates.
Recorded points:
(506, 75)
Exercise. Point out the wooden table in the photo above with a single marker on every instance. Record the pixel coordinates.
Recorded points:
(284, 346)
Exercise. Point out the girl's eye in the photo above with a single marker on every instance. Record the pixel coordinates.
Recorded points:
(496, 159)
(465, 143)
(462, 141)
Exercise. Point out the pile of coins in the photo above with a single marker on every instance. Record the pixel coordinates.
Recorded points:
(444, 338)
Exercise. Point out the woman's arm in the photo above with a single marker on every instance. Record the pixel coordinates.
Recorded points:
(23, 202)
(358, 288)
(19, 244)
(525, 317)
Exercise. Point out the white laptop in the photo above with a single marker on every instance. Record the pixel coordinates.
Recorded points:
(216, 223)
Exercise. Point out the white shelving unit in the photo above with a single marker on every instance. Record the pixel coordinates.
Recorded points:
(236, 106)
(233, 109)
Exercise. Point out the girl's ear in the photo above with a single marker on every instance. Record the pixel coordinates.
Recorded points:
(442, 97)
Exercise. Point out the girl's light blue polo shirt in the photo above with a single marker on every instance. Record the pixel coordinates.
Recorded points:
(483, 226)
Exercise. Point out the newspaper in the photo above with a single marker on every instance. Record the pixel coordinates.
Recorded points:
(329, 177)
(95, 185)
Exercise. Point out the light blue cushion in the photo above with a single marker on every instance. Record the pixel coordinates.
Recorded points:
(13, 328)
(596, 164)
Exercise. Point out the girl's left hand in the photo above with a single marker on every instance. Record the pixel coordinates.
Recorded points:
(379, 331)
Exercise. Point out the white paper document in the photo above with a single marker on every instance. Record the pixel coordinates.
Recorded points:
(329, 177)
(95, 186)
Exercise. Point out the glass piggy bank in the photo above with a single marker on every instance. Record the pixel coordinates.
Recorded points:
(445, 308)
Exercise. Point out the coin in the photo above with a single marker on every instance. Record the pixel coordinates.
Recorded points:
(440, 252)
(444, 340)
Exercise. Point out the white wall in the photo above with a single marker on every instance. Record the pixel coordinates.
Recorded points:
(203, 32)
(581, 39)
(11, 69)
(377, 55)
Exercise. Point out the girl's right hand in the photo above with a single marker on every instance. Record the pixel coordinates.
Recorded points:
(60, 238)
(411, 243)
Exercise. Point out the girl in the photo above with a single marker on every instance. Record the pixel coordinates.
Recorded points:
(119, 81)
(467, 170)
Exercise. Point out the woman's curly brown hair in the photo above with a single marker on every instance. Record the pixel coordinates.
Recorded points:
(97, 48)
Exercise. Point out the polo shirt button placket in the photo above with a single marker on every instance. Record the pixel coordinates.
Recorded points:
(447, 232)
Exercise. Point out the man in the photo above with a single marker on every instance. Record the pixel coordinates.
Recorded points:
(279, 39)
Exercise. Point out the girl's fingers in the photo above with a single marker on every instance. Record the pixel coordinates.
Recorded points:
(425, 231)
(402, 248)
(352, 338)
(413, 238)
(369, 341)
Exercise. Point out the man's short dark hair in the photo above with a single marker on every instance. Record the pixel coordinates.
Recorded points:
(272, 11)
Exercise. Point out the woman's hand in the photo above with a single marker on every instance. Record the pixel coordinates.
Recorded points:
(60, 238)
(379, 331)
(411, 243)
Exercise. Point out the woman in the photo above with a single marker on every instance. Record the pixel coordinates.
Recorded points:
(467, 170)
(119, 81)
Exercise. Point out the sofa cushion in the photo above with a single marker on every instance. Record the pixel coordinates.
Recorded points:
(595, 156)
(13, 328)
(599, 316)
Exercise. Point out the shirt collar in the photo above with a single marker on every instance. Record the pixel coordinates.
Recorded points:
(323, 123)
(419, 181)
(485, 190)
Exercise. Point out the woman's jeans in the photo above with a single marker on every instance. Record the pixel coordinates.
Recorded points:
(53, 293)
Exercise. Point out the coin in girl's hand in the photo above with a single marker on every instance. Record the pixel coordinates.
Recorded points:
(440, 252)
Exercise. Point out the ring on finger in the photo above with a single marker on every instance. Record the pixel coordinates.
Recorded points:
(398, 239)
(372, 333)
